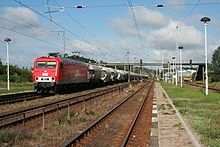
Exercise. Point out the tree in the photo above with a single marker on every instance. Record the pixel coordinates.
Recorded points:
(216, 65)
(83, 59)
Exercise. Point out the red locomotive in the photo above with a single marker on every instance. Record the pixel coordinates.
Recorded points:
(57, 73)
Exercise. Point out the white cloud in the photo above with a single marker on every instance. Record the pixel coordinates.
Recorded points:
(161, 33)
(157, 31)
(166, 37)
(123, 26)
(23, 16)
(83, 46)
(148, 18)
(23, 20)
(23, 49)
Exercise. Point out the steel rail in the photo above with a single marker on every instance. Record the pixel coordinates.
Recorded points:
(202, 86)
(50, 107)
(18, 97)
(137, 116)
(75, 139)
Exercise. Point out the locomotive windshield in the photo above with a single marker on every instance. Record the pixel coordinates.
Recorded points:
(44, 64)
(41, 64)
(51, 64)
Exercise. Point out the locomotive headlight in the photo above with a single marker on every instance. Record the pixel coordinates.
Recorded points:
(36, 78)
(53, 79)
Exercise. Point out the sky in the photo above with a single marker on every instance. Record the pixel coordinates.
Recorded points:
(108, 29)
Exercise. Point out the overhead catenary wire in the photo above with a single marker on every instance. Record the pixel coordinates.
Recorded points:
(135, 22)
(124, 5)
(177, 27)
(14, 22)
(28, 22)
(137, 28)
(188, 14)
(86, 41)
(84, 28)
(57, 24)
(146, 5)
(20, 33)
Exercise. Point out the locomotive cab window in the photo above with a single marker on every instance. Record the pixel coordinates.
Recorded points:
(51, 64)
(41, 64)
(44, 64)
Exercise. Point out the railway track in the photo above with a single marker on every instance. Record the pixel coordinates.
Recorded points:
(107, 130)
(202, 86)
(137, 135)
(18, 97)
(22, 116)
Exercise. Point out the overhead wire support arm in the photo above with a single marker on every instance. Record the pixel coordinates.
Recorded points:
(80, 6)
(160, 5)
(60, 9)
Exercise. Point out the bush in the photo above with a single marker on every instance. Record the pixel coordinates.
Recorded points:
(215, 78)
(17, 74)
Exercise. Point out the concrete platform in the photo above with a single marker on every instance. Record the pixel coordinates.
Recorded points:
(167, 128)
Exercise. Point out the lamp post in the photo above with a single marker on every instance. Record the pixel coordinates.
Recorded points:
(181, 72)
(7, 40)
(205, 20)
(173, 58)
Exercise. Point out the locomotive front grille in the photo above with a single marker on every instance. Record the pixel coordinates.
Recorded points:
(45, 79)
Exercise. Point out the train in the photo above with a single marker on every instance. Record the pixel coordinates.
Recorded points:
(55, 73)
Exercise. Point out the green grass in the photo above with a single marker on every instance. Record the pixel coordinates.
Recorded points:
(15, 87)
(203, 112)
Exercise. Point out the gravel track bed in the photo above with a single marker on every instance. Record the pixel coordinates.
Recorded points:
(37, 102)
(113, 130)
(58, 128)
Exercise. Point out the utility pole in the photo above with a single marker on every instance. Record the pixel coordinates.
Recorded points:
(99, 56)
(177, 74)
(62, 35)
(129, 80)
(134, 65)
(128, 67)
(141, 68)
(162, 64)
(7, 40)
